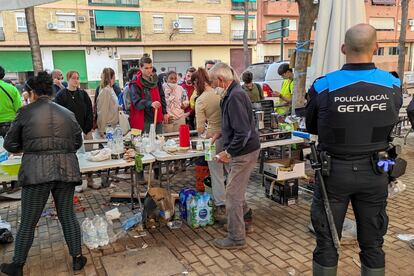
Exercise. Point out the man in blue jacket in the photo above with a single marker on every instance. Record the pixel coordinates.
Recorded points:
(241, 150)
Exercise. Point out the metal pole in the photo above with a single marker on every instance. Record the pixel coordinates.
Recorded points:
(281, 47)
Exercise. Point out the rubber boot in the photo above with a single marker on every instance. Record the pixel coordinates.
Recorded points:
(366, 271)
(319, 270)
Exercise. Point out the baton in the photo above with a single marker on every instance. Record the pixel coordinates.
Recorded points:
(316, 165)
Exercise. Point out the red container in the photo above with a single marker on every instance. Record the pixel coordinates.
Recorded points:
(201, 173)
(184, 135)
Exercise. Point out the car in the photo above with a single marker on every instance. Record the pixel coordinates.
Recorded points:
(266, 75)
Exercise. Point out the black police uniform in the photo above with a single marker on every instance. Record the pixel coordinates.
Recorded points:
(353, 111)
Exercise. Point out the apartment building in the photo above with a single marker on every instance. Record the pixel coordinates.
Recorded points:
(89, 35)
(384, 15)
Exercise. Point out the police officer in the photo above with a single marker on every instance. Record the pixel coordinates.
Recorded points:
(353, 111)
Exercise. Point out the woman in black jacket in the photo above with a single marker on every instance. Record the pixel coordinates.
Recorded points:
(48, 135)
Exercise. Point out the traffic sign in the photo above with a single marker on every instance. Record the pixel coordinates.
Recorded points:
(277, 34)
(280, 24)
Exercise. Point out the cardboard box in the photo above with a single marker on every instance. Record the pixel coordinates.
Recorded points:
(283, 192)
(284, 169)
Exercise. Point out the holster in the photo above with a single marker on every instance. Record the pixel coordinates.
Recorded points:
(325, 163)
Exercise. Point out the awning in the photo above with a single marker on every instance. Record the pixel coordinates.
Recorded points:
(241, 17)
(16, 61)
(241, 1)
(118, 18)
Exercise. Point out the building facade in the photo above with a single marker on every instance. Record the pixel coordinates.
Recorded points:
(384, 15)
(89, 35)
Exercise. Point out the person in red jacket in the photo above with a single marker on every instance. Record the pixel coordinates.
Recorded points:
(146, 97)
(189, 87)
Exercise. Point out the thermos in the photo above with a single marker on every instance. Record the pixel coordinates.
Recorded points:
(184, 136)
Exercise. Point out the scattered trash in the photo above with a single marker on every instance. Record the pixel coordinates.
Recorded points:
(144, 245)
(291, 271)
(175, 224)
(80, 209)
(99, 232)
(112, 185)
(5, 224)
(395, 187)
(49, 213)
(5, 232)
(131, 249)
(132, 221)
(184, 272)
(142, 234)
(76, 200)
(141, 262)
(116, 204)
(405, 237)
(113, 214)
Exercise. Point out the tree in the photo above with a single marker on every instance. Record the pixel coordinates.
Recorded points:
(401, 41)
(33, 40)
(308, 11)
(245, 34)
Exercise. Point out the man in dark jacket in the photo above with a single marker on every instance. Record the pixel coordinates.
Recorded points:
(48, 135)
(241, 149)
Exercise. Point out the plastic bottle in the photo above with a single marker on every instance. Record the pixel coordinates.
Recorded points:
(118, 140)
(101, 229)
(395, 188)
(109, 136)
(90, 236)
(3, 153)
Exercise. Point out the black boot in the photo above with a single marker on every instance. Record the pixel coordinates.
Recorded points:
(78, 263)
(319, 270)
(12, 269)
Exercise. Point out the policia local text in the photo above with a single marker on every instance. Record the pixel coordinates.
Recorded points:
(363, 107)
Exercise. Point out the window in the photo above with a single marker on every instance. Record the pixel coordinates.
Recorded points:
(392, 51)
(66, 22)
(186, 24)
(292, 25)
(21, 22)
(314, 26)
(213, 1)
(158, 23)
(380, 51)
(213, 25)
(382, 23)
(384, 2)
(271, 58)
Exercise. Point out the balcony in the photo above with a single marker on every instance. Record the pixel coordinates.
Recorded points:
(238, 34)
(121, 3)
(239, 6)
(2, 37)
(116, 34)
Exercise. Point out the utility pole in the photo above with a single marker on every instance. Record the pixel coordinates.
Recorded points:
(246, 53)
(401, 41)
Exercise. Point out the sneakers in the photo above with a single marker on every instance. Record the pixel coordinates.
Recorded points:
(78, 263)
(12, 269)
(220, 214)
(228, 243)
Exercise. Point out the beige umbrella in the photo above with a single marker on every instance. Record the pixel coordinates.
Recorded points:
(21, 4)
(335, 17)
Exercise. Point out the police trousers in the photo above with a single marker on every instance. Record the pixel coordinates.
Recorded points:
(355, 182)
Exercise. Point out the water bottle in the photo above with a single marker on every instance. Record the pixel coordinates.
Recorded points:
(118, 140)
(4, 155)
(90, 237)
(102, 230)
(109, 136)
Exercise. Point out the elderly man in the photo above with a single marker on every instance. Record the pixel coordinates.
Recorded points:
(241, 149)
(353, 111)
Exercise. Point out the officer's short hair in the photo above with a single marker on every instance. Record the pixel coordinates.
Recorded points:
(283, 68)
(247, 77)
(360, 38)
(2, 73)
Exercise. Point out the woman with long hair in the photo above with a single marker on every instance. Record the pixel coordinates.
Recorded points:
(48, 135)
(107, 102)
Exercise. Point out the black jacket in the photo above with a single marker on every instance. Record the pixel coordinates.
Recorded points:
(48, 135)
(353, 110)
(80, 104)
(237, 123)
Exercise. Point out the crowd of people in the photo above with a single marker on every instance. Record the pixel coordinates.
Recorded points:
(212, 101)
